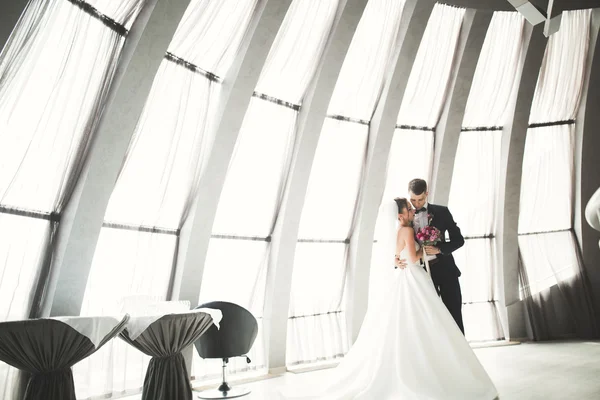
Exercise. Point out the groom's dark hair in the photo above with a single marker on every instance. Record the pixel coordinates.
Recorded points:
(417, 186)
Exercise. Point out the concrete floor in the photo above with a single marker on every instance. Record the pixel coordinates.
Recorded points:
(529, 371)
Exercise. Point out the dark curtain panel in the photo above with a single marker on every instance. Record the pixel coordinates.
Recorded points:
(167, 377)
(46, 350)
(562, 311)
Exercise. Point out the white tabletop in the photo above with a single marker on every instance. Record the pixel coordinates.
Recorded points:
(139, 323)
(94, 328)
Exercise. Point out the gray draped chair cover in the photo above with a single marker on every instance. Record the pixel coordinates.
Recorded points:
(167, 377)
(46, 349)
(592, 211)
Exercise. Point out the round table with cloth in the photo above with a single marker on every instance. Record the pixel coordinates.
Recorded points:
(163, 338)
(47, 348)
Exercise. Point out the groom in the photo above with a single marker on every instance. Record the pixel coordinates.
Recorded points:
(444, 271)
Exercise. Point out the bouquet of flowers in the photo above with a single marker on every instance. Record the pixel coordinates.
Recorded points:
(428, 235)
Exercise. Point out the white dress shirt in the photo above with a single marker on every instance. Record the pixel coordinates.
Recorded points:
(420, 220)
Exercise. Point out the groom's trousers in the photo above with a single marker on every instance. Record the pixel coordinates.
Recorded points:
(448, 288)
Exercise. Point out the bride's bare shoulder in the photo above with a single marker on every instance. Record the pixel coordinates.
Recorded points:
(406, 231)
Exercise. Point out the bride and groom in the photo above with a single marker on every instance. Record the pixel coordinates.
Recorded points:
(411, 344)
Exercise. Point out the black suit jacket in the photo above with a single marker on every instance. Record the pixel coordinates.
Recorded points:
(442, 219)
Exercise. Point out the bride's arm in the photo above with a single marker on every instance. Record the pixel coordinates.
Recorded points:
(408, 236)
(397, 261)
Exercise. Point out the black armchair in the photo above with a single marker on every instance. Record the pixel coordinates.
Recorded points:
(234, 338)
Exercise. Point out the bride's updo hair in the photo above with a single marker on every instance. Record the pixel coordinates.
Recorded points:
(402, 204)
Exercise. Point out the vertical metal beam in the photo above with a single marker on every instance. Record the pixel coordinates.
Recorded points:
(513, 148)
(82, 218)
(310, 121)
(475, 26)
(195, 234)
(415, 17)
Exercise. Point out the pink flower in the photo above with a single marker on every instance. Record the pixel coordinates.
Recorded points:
(428, 235)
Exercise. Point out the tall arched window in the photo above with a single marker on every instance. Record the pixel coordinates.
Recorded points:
(253, 189)
(411, 152)
(157, 182)
(549, 253)
(474, 191)
(316, 324)
(55, 73)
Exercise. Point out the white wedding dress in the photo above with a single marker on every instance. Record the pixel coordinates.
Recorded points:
(409, 348)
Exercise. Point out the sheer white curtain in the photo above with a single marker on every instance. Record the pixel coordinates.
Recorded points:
(297, 50)
(495, 81)
(55, 72)
(549, 259)
(244, 220)
(548, 170)
(158, 182)
(553, 281)
(546, 189)
(210, 32)
(411, 151)
(316, 325)
(253, 188)
(426, 89)
(423, 101)
(474, 190)
(411, 156)
(364, 70)
(55, 107)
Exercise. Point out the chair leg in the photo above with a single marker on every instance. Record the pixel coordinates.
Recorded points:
(224, 385)
(224, 391)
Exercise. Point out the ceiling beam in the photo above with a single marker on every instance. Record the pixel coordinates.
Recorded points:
(504, 5)
(532, 13)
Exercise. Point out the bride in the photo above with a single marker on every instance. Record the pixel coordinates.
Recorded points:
(409, 346)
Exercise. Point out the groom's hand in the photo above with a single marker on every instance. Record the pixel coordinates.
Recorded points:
(432, 250)
(400, 262)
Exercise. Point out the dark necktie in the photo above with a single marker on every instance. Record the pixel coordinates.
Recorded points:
(420, 210)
